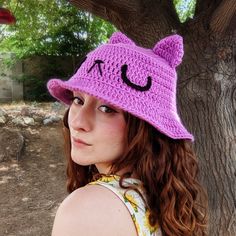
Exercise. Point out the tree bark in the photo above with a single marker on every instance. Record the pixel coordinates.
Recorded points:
(207, 98)
(223, 15)
(206, 86)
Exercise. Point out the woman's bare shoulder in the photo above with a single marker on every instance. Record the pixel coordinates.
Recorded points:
(92, 210)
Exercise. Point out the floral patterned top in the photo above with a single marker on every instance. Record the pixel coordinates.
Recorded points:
(133, 201)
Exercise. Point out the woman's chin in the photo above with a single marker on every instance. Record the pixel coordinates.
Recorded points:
(79, 161)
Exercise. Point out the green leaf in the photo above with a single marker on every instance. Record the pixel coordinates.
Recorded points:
(185, 9)
(51, 28)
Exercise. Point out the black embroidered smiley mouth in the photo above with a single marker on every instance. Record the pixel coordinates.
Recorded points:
(132, 85)
(124, 77)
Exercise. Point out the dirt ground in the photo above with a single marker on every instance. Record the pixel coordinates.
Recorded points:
(32, 187)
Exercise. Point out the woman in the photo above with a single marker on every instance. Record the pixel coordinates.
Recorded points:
(131, 169)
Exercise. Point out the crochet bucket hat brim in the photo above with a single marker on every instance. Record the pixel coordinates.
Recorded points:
(137, 80)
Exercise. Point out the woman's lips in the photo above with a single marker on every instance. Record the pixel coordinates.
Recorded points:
(79, 142)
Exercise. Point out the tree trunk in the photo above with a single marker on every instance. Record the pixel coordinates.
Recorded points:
(206, 86)
(207, 98)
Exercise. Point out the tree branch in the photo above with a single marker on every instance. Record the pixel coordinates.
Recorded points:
(91, 7)
(223, 16)
(119, 6)
(102, 8)
(154, 18)
(169, 8)
(205, 6)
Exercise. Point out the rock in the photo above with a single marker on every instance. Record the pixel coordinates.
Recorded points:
(2, 157)
(50, 119)
(2, 112)
(56, 106)
(28, 116)
(32, 131)
(3, 120)
(47, 121)
(11, 144)
(28, 120)
(25, 111)
(18, 121)
(11, 116)
(37, 118)
(55, 118)
(47, 116)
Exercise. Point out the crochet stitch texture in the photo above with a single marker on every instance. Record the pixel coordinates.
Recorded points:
(138, 80)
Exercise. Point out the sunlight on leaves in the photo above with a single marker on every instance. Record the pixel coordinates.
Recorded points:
(51, 28)
(185, 9)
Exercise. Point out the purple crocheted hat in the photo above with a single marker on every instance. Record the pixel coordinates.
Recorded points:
(138, 80)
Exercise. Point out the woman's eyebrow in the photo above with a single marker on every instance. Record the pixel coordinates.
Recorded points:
(76, 94)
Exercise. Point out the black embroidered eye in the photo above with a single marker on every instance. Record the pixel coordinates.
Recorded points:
(97, 62)
(132, 85)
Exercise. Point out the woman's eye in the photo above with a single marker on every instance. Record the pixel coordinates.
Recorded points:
(77, 101)
(106, 109)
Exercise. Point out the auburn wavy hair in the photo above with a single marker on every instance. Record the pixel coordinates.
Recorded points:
(168, 169)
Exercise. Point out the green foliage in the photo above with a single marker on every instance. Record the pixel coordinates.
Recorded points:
(35, 84)
(34, 88)
(185, 9)
(51, 28)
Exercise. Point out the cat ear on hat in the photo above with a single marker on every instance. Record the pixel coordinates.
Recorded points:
(119, 37)
(171, 49)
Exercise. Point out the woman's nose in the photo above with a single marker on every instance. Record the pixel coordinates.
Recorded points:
(81, 119)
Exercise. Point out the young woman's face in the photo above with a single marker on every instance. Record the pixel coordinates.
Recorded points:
(97, 132)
